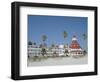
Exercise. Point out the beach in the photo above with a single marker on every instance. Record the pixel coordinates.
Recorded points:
(57, 61)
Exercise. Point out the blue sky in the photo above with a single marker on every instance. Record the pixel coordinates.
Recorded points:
(53, 27)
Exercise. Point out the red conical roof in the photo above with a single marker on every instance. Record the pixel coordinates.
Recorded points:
(74, 44)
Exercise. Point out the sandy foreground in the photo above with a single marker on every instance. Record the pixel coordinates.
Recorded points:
(58, 61)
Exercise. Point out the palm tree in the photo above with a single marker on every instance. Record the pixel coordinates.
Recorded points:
(84, 38)
(65, 34)
(29, 43)
(34, 43)
(43, 51)
(52, 45)
(44, 38)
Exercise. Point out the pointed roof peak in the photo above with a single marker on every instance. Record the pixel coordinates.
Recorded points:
(74, 44)
(74, 36)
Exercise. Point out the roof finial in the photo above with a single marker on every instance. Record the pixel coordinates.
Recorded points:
(74, 37)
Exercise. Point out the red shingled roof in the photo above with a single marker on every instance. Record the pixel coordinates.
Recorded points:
(74, 44)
